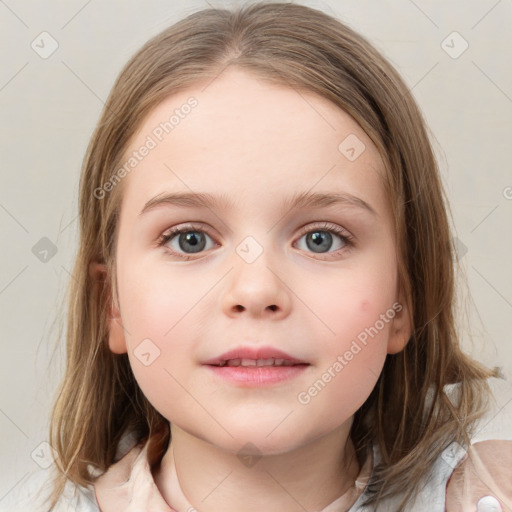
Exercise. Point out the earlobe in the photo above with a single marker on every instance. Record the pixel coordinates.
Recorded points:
(116, 338)
(397, 343)
(401, 329)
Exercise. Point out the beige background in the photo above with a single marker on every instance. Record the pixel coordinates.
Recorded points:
(50, 106)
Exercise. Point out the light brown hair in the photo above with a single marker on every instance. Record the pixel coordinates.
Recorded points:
(308, 50)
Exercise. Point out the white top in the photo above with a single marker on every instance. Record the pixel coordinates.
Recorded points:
(129, 486)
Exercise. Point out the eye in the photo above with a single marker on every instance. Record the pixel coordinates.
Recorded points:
(185, 240)
(321, 238)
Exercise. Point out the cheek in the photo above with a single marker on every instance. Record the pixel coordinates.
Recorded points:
(354, 301)
(154, 303)
(160, 314)
(356, 311)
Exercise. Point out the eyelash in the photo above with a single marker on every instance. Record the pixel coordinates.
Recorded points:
(343, 234)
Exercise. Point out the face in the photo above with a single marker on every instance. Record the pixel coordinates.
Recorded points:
(316, 280)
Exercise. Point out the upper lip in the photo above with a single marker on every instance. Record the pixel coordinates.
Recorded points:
(248, 352)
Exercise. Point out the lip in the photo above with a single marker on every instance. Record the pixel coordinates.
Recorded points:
(256, 376)
(248, 352)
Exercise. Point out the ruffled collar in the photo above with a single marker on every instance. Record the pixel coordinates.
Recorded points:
(129, 486)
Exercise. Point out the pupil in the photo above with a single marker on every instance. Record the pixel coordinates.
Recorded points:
(321, 240)
(195, 239)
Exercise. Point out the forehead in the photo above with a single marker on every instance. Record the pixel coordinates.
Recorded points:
(243, 135)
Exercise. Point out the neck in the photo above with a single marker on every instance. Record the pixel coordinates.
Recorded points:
(212, 479)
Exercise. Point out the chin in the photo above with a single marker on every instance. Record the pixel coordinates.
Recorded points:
(257, 442)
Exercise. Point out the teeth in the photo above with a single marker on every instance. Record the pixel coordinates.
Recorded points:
(266, 362)
(256, 362)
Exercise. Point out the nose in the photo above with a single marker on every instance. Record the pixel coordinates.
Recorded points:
(256, 289)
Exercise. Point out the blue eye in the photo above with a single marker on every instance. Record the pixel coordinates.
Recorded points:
(189, 240)
(320, 239)
(325, 238)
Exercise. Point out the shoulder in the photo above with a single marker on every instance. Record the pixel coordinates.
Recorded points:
(32, 493)
(485, 471)
(497, 422)
(486, 468)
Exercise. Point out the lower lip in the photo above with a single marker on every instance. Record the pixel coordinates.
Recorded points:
(257, 376)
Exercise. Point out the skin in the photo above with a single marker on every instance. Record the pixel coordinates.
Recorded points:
(257, 144)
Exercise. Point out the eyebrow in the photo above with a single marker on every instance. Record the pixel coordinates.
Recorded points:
(297, 201)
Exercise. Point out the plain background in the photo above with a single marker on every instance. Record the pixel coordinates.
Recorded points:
(50, 106)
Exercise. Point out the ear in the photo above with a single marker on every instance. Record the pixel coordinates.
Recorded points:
(116, 338)
(401, 327)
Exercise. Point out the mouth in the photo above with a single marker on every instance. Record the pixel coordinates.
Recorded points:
(256, 367)
(247, 363)
(252, 356)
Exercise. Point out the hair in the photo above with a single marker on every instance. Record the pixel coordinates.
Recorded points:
(407, 414)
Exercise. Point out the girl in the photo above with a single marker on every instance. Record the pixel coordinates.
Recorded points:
(301, 353)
